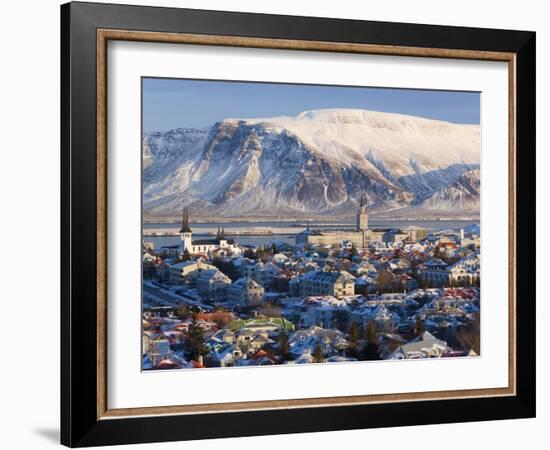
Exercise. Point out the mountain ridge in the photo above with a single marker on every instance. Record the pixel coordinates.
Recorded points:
(318, 162)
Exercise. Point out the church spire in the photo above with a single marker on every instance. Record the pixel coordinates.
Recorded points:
(222, 235)
(185, 228)
(362, 215)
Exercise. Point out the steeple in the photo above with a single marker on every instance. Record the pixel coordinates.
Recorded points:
(363, 203)
(185, 228)
(222, 235)
(362, 216)
(218, 234)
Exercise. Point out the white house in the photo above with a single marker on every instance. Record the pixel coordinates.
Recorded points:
(427, 346)
(245, 292)
(305, 341)
(212, 284)
(188, 271)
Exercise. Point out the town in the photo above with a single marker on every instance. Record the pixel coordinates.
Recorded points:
(362, 294)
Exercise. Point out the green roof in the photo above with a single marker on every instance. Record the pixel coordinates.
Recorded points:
(240, 323)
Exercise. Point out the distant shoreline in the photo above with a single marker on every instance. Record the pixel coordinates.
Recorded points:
(312, 221)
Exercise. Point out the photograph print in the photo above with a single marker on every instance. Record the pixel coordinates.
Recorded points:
(292, 224)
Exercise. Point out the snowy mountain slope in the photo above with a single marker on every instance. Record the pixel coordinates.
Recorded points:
(462, 194)
(317, 162)
(167, 159)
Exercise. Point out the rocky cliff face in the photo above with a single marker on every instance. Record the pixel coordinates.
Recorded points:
(462, 194)
(319, 162)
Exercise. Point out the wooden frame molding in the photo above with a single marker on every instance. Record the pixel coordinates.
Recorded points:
(103, 36)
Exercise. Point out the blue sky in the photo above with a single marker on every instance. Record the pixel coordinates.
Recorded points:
(173, 103)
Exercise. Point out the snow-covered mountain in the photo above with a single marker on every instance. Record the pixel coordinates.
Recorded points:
(319, 162)
(462, 194)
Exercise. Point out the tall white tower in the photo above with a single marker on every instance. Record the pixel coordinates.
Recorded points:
(362, 220)
(362, 216)
(185, 232)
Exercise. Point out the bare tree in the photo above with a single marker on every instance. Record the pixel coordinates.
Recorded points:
(468, 337)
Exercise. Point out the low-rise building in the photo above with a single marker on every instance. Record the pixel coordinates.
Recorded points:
(245, 292)
(170, 250)
(204, 325)
(260, 272)
(212, 285)
(464, 272)
(305, 342)
(434, 272)
(321, 282)
(156, 347)
(426, 346)
(188, 271)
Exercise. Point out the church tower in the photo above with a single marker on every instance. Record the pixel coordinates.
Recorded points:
(362, 216)
(221, 236)
(186, 233)
(362, 220)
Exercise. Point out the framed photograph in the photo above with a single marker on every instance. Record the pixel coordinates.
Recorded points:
(276, 224)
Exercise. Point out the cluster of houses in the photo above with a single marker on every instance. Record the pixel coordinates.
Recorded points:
(316, 324)
(413, 297)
